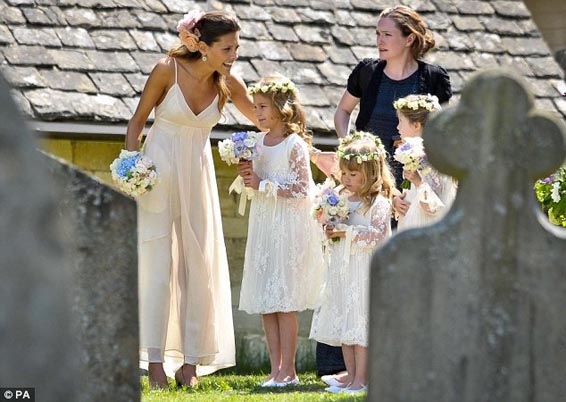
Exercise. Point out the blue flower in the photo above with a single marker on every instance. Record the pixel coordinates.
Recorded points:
(126, 165)
(239, 148)
(239, 136)
(333, 199)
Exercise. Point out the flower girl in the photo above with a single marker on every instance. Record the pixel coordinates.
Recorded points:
(283, 268)
(342, 318)
(431, 193)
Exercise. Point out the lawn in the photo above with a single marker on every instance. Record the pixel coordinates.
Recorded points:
(240, 388)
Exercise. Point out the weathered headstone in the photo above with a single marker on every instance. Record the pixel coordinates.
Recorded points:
(472, 308)
(36, 343)
(103, 255)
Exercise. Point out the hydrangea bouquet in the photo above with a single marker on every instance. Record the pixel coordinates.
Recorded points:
(133, 173)
(330, 207)
(551, 193)
(241, 146)
(412, 155)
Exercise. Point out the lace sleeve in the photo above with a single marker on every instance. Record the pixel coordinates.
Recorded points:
(297, 184)
(298, 180)
(371, 236)
(432, 178)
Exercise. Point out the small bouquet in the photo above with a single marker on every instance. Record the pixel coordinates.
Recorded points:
(133, 173)
(330, 207)
(412, 155)
(551, 193)
(241, 146)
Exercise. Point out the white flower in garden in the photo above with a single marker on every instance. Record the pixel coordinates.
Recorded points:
(555, 193)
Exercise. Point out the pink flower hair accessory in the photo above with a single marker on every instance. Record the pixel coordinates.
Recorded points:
(188, 34)
(189, 20)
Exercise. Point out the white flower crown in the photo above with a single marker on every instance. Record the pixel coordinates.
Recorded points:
(283, 86)
(415, 102)
(360, 157)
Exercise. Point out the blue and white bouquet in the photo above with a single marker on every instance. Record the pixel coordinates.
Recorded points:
(551, 193)
(133, 173)
(242, 145)
(412, 155)
(330, 207)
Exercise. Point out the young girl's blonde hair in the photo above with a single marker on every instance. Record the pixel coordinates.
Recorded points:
(284, 96)
(363, 152)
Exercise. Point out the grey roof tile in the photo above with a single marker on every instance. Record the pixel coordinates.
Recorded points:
(254, 30)
(511, 9)
(525, 46)
(37, 36)
(314, 42)
(282, 33)
(474, 7)
(502, 26)
(23, 77)
(5, 35)
(308, 15)
(137, 81)
(39, 16)
(112, 61)
(284, 15)
(245, 70)
(75, 37)
(112, 84)
(28, 55)
(303, 52)
(12, 15)
(251, 12)
(150, 20)
(467, 23)
(81, 17)
(145, 40)
(335, 74)
(313, 34)
(68, 81)
(73, 60)
(112, 39)
(341, 55)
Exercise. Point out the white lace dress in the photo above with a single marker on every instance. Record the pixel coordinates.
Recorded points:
(284, 267)
(343, 315)
(430, 201)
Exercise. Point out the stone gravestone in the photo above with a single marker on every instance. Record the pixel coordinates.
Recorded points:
(472, 308)
(36, 341)
(103, 255)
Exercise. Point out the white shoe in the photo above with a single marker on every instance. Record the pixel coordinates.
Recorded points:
(331, 380)
(267, 383)
(349, 391)
(294, 381)
(334, 389)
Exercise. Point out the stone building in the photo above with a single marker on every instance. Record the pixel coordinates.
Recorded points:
(77, 68)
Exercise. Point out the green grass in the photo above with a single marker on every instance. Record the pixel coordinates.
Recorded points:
(235, 387)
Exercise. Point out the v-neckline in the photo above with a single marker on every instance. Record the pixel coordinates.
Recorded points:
(187, 104)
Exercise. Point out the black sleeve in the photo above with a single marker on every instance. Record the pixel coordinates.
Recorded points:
(442, 88)
(355, 83)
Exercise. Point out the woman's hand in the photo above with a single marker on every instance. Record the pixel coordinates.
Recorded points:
(245, 168)
(326, 162)
(400, 205)
(413, 177)
(333, 234)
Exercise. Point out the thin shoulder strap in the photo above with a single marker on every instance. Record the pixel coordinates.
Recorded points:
(175, 60)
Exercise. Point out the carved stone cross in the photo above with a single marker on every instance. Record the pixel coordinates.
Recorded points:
(473, 308)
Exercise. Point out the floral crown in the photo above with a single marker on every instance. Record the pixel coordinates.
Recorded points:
(343, 153)
(283, 86)
(415, 102)
(188, 34)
